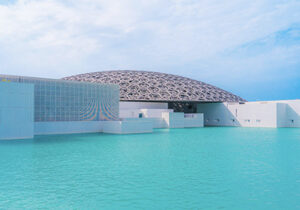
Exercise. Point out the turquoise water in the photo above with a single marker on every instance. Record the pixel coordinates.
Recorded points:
(205, 168)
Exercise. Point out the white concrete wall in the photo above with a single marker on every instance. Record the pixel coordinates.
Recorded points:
(148, 109)
(154, 113)
(16, 110)
(181, 120)
(147, 113)
(217, 114)
(289, 113)
(46, 128)
(129, 113)
(174, 119)
(282, 115)
(255, 115)
(156, 122)
(159, 123)
(193, 120)
(252, 114)
(128, 127)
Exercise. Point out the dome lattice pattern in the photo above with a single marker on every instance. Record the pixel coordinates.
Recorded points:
(154, 86)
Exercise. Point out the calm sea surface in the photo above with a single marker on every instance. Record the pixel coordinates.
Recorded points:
(202, 168)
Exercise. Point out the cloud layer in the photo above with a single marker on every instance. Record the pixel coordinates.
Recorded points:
(230, 44)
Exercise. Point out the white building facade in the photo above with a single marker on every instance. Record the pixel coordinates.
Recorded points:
(38, 106)
(273, 114)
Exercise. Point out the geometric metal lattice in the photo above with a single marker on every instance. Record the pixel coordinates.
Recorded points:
(155, 86)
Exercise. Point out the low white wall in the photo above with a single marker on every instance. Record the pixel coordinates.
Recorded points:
(154, 113)
(148, 109)
(45, 128)
(193, 120)
(174, 119)
(252, 114)
(129, 113)
(128, 127)
(217, 114)
(255, 115)
(181, 120)
(282, 115)
(234, 114)
(289, 113)
(156, 122)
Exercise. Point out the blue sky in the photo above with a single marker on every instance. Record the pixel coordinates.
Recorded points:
(251, 48)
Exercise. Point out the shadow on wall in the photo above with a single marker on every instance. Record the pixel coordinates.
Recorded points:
(263, 114)
(291, 118)
(218, 114)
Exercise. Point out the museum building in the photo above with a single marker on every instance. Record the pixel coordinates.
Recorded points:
(125, 102)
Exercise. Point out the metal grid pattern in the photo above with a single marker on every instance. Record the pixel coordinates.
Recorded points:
(58, 100)
(154, 86)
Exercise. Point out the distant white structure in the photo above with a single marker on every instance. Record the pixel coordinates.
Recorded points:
(143, 117)
(142, 109)
(272, 114)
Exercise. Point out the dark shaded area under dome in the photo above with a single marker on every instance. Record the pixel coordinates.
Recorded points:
(158, 87)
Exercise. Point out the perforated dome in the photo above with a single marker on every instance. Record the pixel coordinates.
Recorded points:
(154, 86)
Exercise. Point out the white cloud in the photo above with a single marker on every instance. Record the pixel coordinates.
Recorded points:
(55, 38)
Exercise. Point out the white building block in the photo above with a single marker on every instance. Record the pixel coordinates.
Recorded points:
(193, 120)
(128, 127)
(252, 114)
